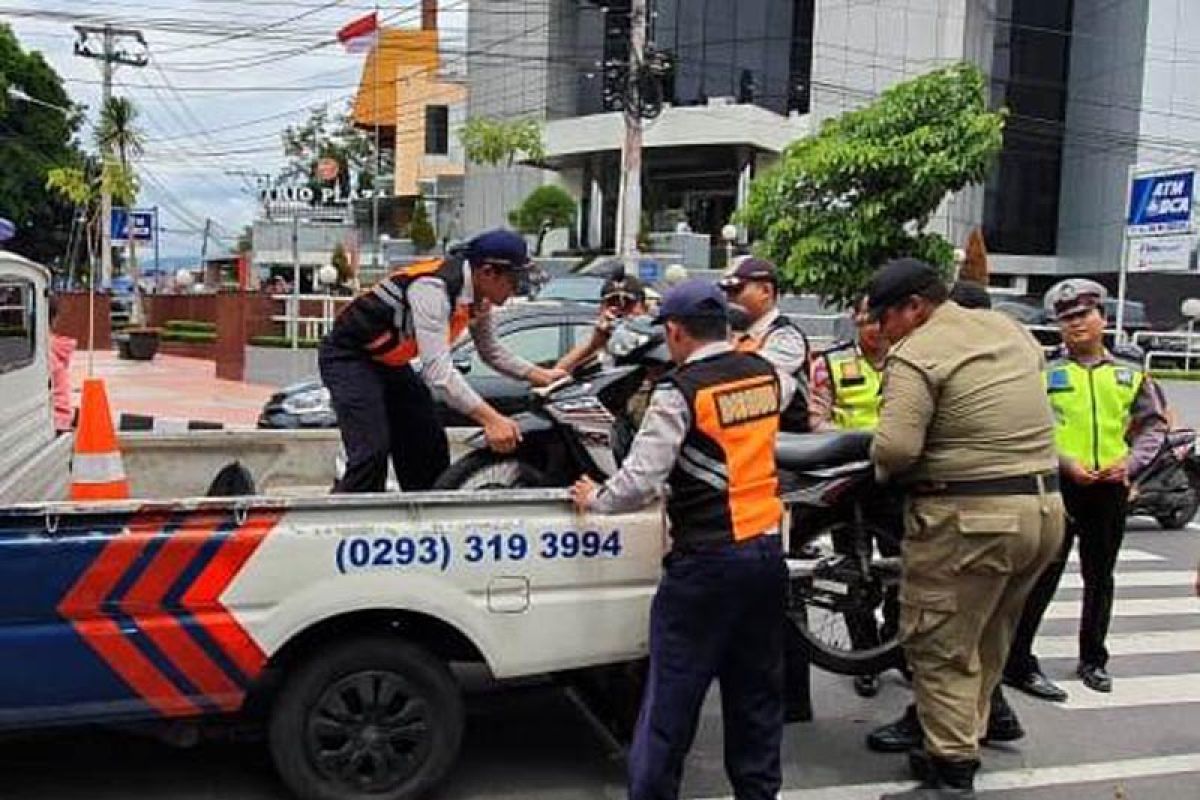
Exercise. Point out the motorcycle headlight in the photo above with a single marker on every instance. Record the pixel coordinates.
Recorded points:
(308, 402)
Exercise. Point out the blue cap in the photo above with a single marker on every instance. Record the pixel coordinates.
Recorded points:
(499, 247)
(693, 298)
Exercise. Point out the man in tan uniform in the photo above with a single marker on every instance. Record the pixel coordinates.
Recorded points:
(965, 426)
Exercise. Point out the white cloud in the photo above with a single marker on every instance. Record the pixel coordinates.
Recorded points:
(204, 111)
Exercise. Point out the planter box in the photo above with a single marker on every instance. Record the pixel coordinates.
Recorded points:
(137, 345)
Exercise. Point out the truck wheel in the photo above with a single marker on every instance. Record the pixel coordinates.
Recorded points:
(369, 718)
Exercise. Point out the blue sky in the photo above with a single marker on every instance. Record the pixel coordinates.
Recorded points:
(225, 78)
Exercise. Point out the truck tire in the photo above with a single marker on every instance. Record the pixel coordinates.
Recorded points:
(368, 718)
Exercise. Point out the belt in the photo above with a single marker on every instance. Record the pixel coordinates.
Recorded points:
(1019, 484)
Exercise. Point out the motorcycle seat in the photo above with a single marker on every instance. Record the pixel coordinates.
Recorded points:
(799, 452)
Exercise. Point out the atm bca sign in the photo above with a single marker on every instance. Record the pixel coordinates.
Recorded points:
(1161, 202)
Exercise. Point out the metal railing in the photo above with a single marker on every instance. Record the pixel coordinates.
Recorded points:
(1190, 351)
(298, 327)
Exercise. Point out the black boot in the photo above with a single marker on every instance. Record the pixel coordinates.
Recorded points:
(948, 780)
(897, 737)
(1003, 725)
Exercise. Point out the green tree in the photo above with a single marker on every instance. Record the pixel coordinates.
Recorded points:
(492, 142)
(861, 191)
(120, 142)
(546, 208)
(35, 139)
(324, 136)
(245, 240)
(420, 230)
(341, 262)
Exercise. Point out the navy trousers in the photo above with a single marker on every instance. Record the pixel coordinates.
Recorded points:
(383, 412)
(717, 614)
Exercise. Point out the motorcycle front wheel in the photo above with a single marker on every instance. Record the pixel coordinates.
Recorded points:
(841, 618)
(485, 469)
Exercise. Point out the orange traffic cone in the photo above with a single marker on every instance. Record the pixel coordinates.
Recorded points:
(96, 470)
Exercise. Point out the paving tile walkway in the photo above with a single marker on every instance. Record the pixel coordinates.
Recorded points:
(172, 387)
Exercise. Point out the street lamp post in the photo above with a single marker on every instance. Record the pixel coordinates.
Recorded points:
(17, 94)
(729, 234)
(327, 276)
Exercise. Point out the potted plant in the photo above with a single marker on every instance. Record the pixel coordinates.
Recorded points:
(138, 344)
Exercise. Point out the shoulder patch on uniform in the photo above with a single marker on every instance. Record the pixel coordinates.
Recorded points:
(850, 371)
(1058, 380)
(742, 404)
(1124, 376)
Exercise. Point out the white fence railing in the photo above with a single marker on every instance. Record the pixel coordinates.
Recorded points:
(296, 326)
(1150, 342)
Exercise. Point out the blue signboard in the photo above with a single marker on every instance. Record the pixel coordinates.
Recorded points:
(143, 225)
(649, 271)
(1161, 203)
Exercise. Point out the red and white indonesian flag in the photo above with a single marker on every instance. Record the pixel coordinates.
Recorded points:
(360, 36)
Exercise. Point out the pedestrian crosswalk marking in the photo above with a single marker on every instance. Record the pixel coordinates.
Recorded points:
(1135, 690)
(1124, 644)
(1029, 778)
(1130, 554)
(1074, 580)
(1129, 607)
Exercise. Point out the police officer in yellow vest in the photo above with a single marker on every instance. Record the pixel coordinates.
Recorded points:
(384, 408)
(1109, 423)
(709, 437)
(846, 379)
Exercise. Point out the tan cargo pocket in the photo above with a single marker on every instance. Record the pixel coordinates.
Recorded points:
(982, 523)
(927, 625)
(988, 542)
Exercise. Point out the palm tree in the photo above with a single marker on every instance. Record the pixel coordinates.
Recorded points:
(120, 142)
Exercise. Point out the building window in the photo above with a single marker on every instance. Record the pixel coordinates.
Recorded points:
(18, 328)
(437, 130)
(1030, 77)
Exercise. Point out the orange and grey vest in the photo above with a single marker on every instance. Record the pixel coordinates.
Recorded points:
(379, 323)
(794, 418)
(724, 488)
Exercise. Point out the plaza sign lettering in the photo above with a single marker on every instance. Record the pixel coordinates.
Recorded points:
(1161, 202)
(326, 196)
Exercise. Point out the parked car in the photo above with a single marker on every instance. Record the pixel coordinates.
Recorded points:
(572, 289)
(540, 332)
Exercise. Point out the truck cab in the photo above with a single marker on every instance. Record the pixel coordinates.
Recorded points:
(33, 457)
(335, 622)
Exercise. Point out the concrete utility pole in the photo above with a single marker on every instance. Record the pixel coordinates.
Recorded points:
(630, 214)
(204, 247)
(112, 53)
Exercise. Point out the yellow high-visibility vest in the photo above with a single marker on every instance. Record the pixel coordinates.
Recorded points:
(1092, 408)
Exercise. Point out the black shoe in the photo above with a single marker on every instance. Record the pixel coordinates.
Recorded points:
(898, 737)
(1003, 725)
(948, 780)
(866, 685)
(1095, 678)
(1039, 686)
(920, 766)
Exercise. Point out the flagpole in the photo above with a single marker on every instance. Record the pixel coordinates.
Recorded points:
(375, 186)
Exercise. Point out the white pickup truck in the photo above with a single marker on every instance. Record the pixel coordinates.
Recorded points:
(333, 619)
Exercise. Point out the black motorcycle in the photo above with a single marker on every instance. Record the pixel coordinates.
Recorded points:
(1169, 488)
(843, 553)
(845, 530)
(579, 425)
